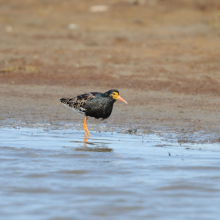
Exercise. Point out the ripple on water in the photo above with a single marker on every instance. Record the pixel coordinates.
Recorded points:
(55, 174)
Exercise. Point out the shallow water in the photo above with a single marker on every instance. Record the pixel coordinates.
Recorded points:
(50, 174)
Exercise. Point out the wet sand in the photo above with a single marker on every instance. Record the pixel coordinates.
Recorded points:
(191, 118)
(163, 57)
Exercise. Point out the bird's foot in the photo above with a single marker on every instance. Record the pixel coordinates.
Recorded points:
(85, 140)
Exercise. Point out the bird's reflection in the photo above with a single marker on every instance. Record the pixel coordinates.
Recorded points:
(85, 140)
(98, 147)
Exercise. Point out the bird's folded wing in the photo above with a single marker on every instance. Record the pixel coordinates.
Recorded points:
(87, 96)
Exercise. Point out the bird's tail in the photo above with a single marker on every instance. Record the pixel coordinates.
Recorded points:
(64, 100)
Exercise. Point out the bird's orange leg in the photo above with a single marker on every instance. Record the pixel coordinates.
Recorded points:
(85, 127)
(85, 141)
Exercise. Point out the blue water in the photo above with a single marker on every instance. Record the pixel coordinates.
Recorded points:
(57, 174)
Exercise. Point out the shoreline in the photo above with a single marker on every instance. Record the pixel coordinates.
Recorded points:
(189, 118)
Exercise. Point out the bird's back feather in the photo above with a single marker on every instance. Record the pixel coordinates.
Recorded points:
(93, 104)
(78, 103)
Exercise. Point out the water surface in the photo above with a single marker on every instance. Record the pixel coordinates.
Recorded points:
(51, 174)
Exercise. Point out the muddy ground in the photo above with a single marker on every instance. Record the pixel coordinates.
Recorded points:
(163, 57)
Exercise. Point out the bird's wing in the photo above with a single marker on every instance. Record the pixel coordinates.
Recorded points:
(88, 96)
(78, 103)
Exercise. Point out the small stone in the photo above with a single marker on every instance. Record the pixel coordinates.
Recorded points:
(99, 8)
(131, 131)
(9, 29)
(72, 26)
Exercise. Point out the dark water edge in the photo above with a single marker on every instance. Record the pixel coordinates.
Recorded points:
(57, 174)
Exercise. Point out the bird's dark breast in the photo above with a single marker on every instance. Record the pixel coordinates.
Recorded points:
(99, 108)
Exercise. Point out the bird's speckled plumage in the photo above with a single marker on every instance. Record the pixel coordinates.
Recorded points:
(93, 104)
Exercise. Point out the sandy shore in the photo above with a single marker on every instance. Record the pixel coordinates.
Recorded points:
(165, 67)
(188, 117)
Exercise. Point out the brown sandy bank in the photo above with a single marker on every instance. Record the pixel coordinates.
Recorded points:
(188, 117)
(163, 56)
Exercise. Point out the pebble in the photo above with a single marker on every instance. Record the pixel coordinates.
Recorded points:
(99, 8)
(72, 26)
(131, 131)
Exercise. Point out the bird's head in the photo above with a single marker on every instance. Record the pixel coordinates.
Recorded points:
(113, 93)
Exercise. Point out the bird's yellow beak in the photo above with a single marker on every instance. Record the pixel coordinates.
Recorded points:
(121, 99)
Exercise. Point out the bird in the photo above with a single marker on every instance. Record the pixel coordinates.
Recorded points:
(93, 104)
